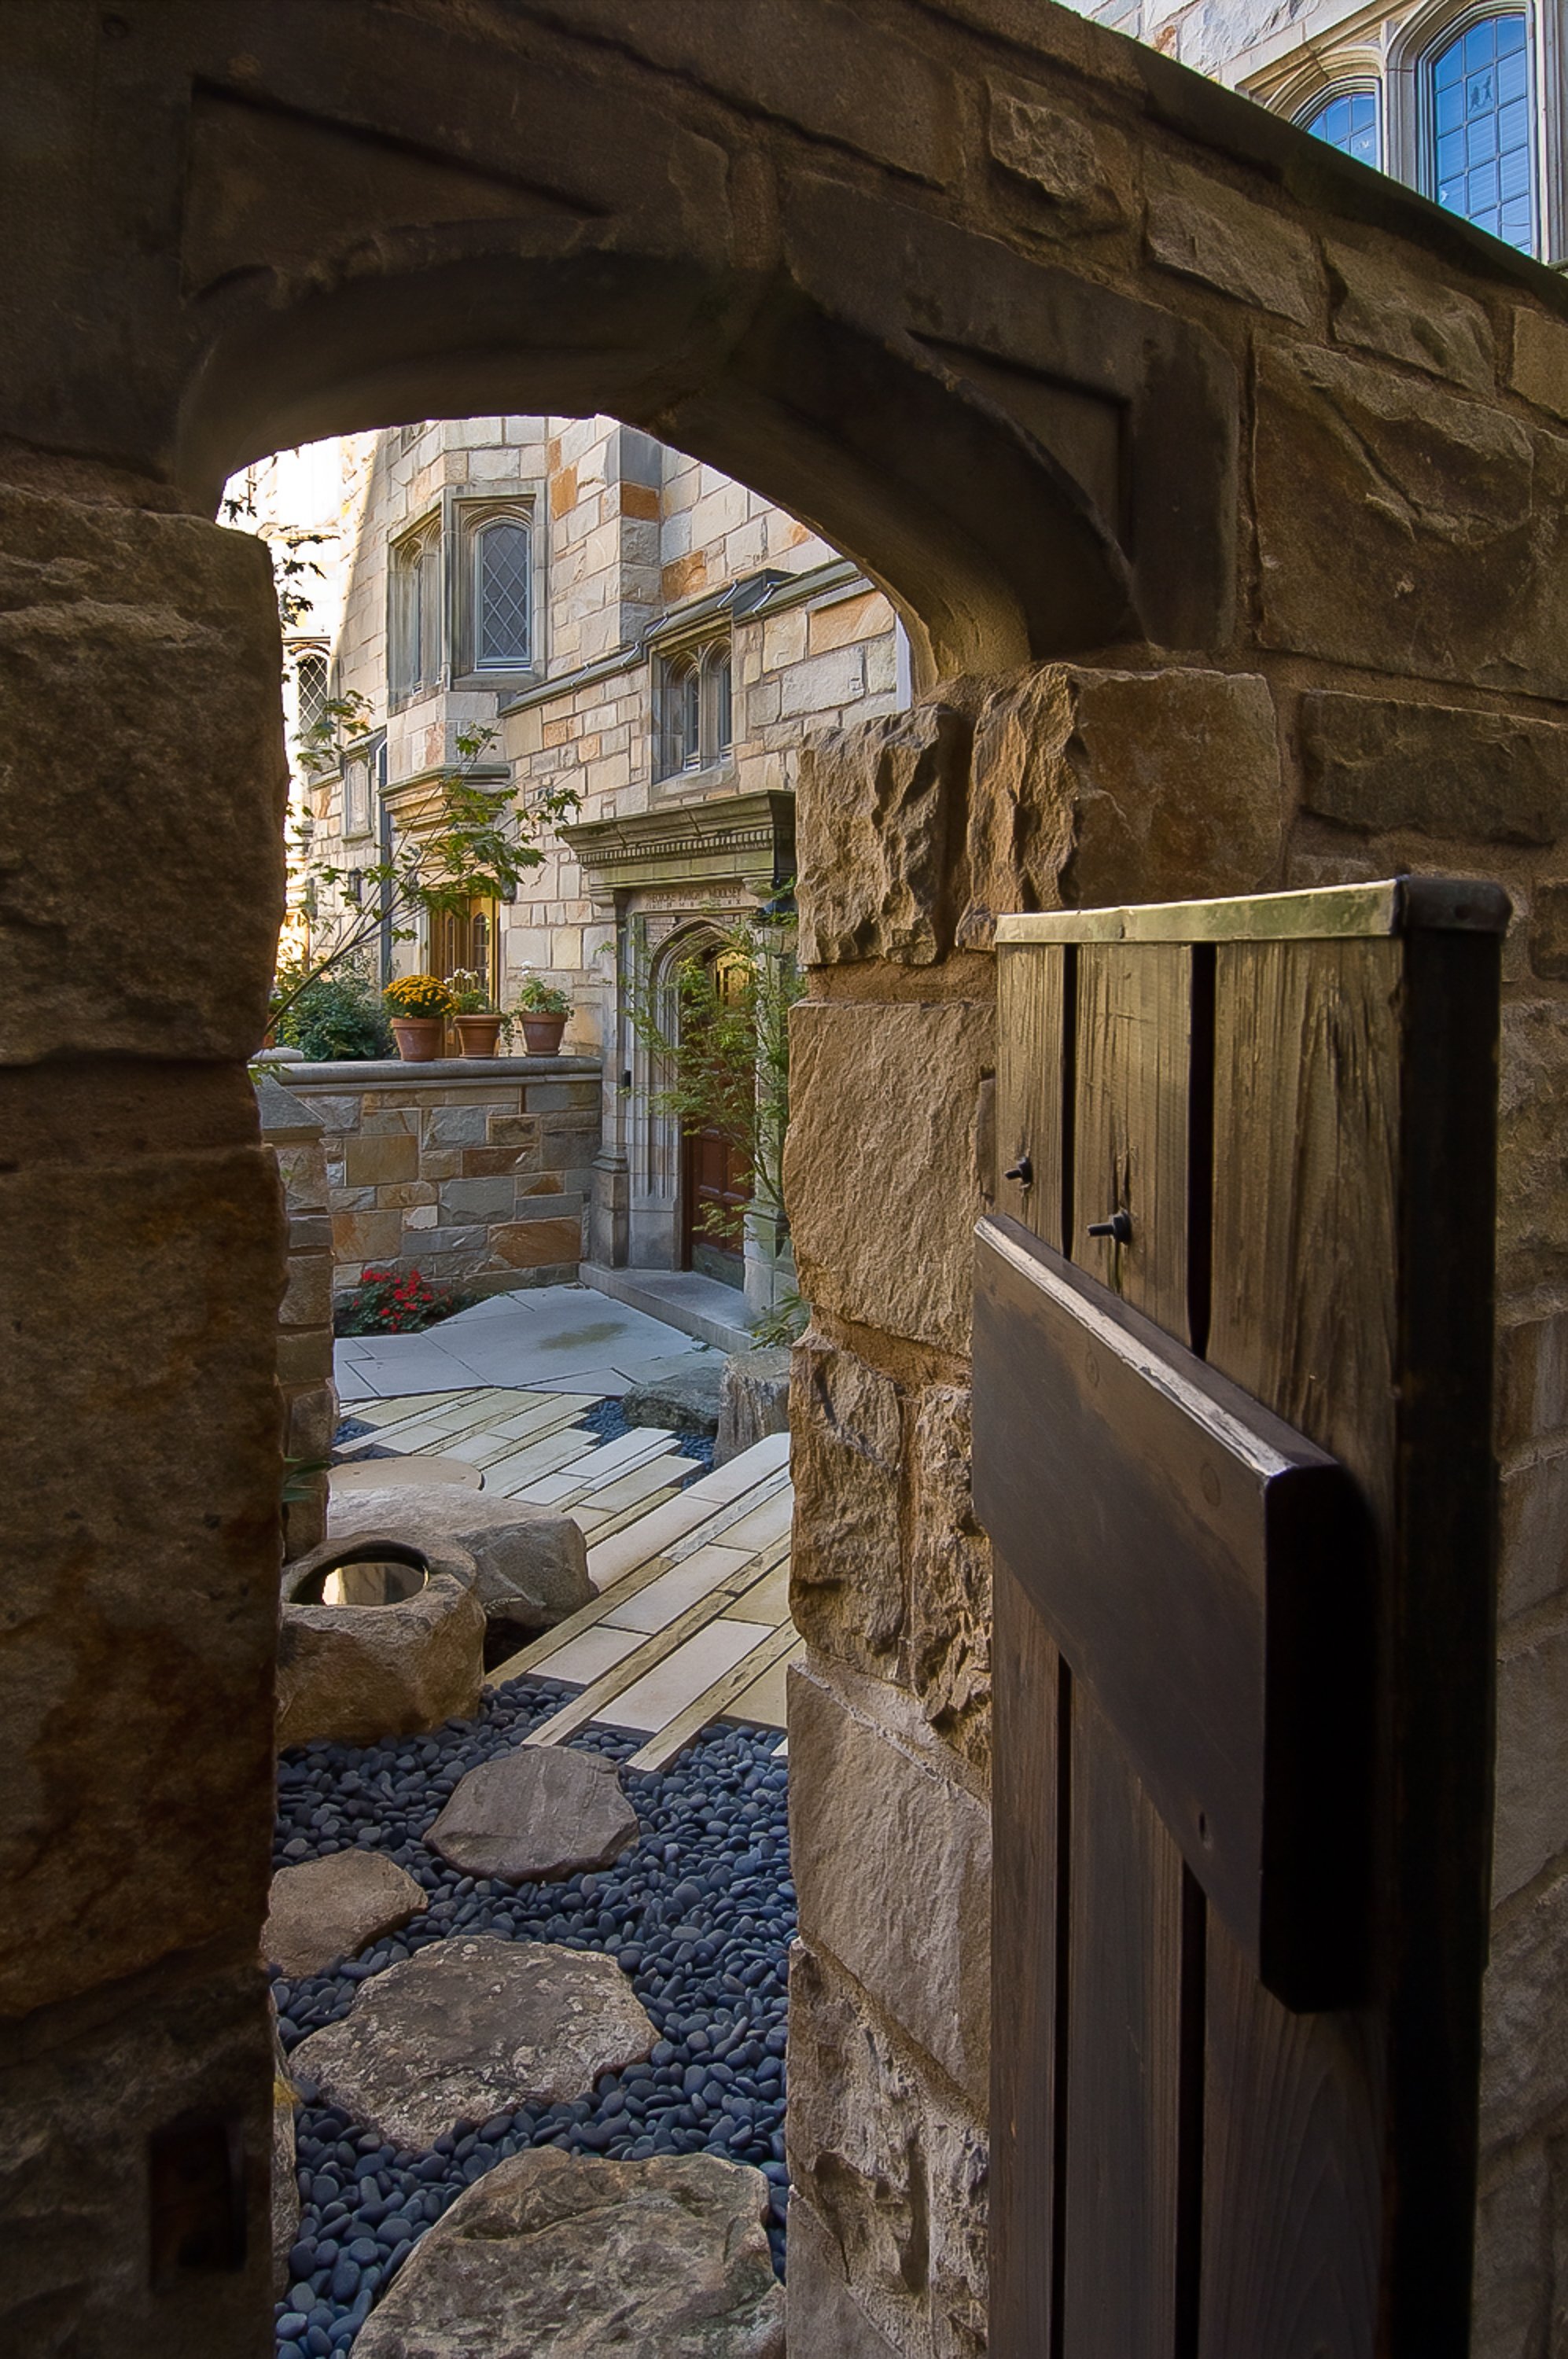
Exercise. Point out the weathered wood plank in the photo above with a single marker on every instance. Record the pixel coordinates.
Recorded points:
(1124, 2057)
(1026, 1863)
(1304, 1251)
(1202, 1566)
(1130, 1130)
(1291, 2199)
(1032, 1005)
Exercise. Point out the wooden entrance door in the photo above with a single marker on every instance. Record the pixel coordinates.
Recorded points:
(716, 1180)
(1242, 1786)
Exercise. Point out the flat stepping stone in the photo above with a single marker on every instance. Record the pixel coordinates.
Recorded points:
(556, 2255)
(330, 1908)
(472, 2027)
(388, 1473)
(541, 1812)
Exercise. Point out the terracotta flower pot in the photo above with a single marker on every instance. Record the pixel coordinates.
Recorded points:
(478, 1033)
(418, 1037)
(542, 1034)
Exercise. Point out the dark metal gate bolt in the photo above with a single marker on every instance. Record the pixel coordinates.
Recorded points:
(1120, 1227)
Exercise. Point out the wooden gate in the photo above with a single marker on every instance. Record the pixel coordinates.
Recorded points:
(1233, 1359)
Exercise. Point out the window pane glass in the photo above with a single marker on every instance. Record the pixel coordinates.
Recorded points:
(689, 693)
(1481, 79)
(310, 677)
(719, 671)
(430, 611)
(502, 593)
(1348, 123)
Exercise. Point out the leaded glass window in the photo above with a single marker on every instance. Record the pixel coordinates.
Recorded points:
(1349, 121)
(696, 725)
(312, 682)
(503, 594)
(415, 616)
(719, 694)
(1481, 129)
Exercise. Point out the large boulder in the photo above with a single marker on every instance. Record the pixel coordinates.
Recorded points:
(681, 1393)
(358, 1672)
(753, 1400)
(532, 1564)
(331, 1908)
(555, 2256)
(471, 2027)
(544, 1810)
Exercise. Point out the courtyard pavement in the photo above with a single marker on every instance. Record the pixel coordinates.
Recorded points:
(543, 1337)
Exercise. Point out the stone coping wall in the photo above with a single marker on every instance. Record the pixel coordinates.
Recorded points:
(292, 1129)
(468, 1169)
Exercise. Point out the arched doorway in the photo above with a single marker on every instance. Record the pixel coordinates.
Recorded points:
(1009, 383)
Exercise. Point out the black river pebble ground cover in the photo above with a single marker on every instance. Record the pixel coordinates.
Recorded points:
(699, 1914)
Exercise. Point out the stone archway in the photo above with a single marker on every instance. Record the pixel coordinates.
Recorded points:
(987, 295)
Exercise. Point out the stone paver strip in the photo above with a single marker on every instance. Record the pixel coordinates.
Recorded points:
(587, 1706)
(667, 1689)
(590, 1655)
(675, 1591)
(725, 1694)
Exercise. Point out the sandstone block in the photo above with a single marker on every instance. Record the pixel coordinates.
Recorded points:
(284, 2186)
(458, 1125)
(535, 1244)
(335, 1907)
(892, 1864)
(489, 1162)
(85, 2088)
(372, 1162)
(556, 2253)
(538, 1813)
(469, 2028)
(875, 805)
(152, 883)
(1380, 308)
(1531, 1824)
(847, 1576)
(141, 1537)
(366, 1236)
(531, 1564)
(1531, 1378)
(1513, 2264)
(302, 1169)
(1533, 1533)
(950, 1576)
(1447, 555)
(1548, 929)
(464, 1200)
(1201, 228)
(304, 1356)
(1057, 155)
(1532, 1109)
(1524, 2066)
(360, 1672)
(1092, 788)
(1539, 364)
(308, 1296)
(825, 2319)
(891, 2164)
(881, 1172)
(516, 1130)
(1383, 767)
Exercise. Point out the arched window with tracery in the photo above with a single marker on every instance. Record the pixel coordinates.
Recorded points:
(1480, 133)
(696, 719)
(1348, 120)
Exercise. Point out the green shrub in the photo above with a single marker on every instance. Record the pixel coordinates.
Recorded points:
(336, 1016)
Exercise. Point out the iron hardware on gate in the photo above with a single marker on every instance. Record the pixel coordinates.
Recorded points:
(1120, 1227)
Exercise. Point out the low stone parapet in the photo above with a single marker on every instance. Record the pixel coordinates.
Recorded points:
(474, 1171)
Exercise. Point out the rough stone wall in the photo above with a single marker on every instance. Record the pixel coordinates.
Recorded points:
(305, 1315)
(144, 1264)
(1065, 787)
(472, 1174)
(1146, 409)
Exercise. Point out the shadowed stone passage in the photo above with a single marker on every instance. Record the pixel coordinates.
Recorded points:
(470, 2028)
(536, 1814)
(328, 1908)
(552, 2253)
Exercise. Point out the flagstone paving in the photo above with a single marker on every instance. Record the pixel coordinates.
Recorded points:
(691, 1619)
